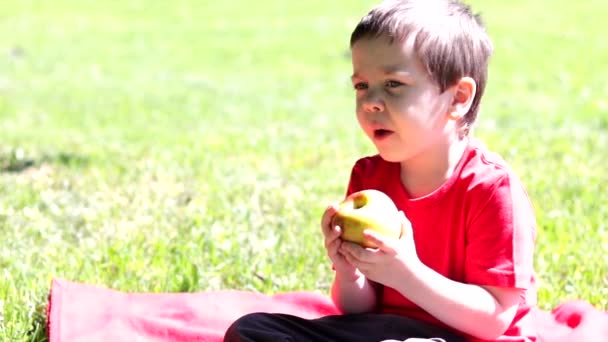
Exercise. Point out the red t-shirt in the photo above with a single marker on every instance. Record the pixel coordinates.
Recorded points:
(477, 228)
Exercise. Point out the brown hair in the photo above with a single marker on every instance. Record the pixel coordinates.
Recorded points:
(450, 40)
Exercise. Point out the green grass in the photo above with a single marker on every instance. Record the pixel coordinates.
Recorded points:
(186, 146)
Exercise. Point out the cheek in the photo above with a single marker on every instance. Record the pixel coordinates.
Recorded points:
(400, 102)
(358, 102)
(359, 109)
(418, 106)
(360, 118)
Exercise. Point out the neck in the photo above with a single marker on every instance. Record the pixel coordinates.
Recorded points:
(425, 173)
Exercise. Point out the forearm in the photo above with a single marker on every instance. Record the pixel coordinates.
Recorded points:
(467, 308)
(353, 294)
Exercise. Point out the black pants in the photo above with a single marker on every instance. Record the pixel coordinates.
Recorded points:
(269, 327)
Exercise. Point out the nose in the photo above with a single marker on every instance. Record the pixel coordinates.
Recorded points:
(372, 102)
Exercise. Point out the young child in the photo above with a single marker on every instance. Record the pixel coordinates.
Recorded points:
(463, 269)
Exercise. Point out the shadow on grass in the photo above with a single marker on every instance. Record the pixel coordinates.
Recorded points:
(15, 160)
(38, 331)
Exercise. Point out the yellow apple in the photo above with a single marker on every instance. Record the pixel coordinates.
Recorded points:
(367, 209)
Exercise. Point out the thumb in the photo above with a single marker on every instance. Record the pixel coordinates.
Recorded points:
(328, 215)
(406, 225)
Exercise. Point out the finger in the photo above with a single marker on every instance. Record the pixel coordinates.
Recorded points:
(357, 252)
(383, 244)
(332, 244)
(328, 215)
(406, 225)
(357, 262)
(333, 235)
(350, 258)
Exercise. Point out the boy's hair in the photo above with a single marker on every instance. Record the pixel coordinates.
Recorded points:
(450, 41)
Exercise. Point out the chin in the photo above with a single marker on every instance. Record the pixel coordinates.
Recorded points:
(391, 157)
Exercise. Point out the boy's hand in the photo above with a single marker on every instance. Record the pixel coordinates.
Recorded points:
(333, 244)
(387, 263)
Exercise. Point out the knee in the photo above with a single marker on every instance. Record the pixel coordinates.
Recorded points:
(237, 331)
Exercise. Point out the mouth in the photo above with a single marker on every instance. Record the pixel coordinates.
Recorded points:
(382, 133)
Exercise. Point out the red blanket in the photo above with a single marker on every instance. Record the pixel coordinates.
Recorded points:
(82, 312)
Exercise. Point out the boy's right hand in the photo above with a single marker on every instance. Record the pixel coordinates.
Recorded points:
(333, 243)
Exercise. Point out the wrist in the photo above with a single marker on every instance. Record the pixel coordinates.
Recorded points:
(406, 277)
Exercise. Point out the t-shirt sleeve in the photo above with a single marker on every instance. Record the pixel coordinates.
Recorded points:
(500, 238)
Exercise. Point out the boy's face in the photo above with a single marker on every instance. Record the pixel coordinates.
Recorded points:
(398, 106)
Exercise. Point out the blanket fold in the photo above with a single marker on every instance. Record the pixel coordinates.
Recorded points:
(84, 312)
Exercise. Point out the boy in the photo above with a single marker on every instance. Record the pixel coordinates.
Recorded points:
(463, 269)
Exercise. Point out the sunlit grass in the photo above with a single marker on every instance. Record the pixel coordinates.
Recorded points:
(184, 146)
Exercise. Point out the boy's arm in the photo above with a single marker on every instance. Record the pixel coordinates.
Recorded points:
(500, 244)
(499, 252)
(354, 293)
(481, 311)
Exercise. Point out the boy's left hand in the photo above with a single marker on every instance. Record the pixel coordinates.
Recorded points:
(387, 263)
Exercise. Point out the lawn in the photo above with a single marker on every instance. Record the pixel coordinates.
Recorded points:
(169, 146)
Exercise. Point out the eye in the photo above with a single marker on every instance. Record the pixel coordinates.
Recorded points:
(393, 84)
(360, 86)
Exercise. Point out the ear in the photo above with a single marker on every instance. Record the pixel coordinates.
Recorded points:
(464, 93)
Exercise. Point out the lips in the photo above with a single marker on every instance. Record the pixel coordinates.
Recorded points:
(382, 133)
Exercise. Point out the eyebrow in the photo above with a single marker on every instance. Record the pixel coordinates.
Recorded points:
(390, 69)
